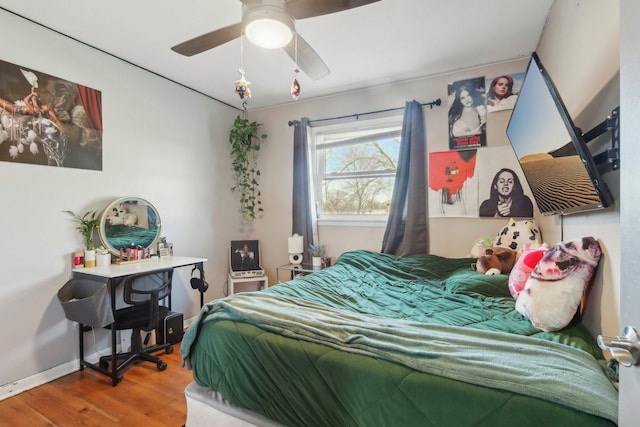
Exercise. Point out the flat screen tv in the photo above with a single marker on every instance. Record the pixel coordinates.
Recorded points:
(552, 152)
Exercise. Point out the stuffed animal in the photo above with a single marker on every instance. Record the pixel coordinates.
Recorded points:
(516, 234)
(495, 260)
(480, 246)
(527, 261)
(558, 283)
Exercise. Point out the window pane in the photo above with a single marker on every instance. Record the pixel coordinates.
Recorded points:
(357, 196)
(371, 156)
(356, 168)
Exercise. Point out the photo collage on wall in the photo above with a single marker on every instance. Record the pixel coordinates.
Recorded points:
(474, 179)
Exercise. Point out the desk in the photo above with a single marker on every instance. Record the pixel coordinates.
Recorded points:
(114, 274)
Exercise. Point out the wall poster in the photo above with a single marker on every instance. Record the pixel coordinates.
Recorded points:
(45, 120)
(453, 184)
(485, 183)
(503, 189)
(502, 91)
(467, 114)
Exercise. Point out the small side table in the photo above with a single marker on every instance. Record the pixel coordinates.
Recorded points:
(263, 282)
(296, 269)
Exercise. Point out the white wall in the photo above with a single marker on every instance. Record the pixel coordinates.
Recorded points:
(277, 153)
(584, 64)
(629, 410)
(162, 142)
(567, 36)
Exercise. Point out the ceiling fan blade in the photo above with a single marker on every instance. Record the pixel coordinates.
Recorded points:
(209, 40)
(301, 9)
(308, 60)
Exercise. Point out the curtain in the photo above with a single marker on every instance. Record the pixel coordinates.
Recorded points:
(407, 226)
(304, 215)
(92, 102)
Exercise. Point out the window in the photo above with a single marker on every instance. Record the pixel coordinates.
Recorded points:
(354, 169)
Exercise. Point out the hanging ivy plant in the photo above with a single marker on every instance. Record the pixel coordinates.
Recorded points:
(245, 144)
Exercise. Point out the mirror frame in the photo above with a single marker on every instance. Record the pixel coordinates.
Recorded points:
(131, 222)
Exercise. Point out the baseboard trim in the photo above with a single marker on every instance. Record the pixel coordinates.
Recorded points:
(16, 387)
(19, 386)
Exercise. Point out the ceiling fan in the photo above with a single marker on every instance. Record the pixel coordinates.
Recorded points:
(279, 15)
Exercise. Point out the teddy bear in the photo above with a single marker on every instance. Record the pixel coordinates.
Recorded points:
(496, 260)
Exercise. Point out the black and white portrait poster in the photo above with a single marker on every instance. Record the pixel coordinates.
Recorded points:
(467, 114)
(46, 120)
(502, 188)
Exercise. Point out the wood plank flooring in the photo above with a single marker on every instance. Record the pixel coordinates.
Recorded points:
(145, 397)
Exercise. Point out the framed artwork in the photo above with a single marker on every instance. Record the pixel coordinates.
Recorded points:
(46, 120)
(244, 255)
(129, 222)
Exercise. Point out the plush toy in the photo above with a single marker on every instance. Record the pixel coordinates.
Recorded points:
(495, 260)
(558, 283)
(516, 234)
(480, 246)
(527, 261)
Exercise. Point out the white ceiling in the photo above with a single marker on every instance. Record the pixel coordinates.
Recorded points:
(383, 42)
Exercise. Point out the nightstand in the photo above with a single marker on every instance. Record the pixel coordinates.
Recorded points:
(296, 270)
(262, 281)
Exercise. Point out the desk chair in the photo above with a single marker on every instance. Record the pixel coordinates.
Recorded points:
(143, 292)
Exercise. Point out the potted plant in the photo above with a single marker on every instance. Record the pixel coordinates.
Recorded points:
(87, 224)
(316, 252)
(245, 144)
(103, 257)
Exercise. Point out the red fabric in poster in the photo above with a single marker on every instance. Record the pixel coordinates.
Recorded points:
(450, 169)
(92, 103)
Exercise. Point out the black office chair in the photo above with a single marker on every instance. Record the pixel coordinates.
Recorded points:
(143, 292)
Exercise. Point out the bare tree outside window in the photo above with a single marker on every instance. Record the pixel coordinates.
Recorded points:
(356, 171)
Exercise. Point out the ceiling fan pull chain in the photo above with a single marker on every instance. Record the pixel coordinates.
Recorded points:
(295, 85)
(242, 85)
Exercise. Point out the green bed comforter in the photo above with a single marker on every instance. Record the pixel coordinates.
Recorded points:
(382, 340)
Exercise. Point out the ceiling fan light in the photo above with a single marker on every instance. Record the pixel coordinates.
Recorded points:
(269, 28)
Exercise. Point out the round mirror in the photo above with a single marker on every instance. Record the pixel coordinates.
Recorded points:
(129, 222)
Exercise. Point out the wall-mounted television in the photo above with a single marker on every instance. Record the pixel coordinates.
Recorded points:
(552, 152)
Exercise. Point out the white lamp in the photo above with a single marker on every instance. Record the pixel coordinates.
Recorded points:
(296, 249)
(268, 26)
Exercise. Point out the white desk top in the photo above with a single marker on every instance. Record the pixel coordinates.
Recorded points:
(120, 270)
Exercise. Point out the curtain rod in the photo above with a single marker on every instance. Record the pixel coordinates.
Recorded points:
(437, 102)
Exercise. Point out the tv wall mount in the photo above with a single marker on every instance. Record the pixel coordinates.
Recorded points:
(611, 155)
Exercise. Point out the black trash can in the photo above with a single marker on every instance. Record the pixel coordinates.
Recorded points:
(86, 301)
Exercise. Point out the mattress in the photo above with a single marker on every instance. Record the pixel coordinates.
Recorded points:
(206, 407)
(382, 340)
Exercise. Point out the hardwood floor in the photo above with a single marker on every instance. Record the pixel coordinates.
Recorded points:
(145, 397)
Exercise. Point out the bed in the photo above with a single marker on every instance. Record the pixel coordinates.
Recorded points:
(379, 340)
